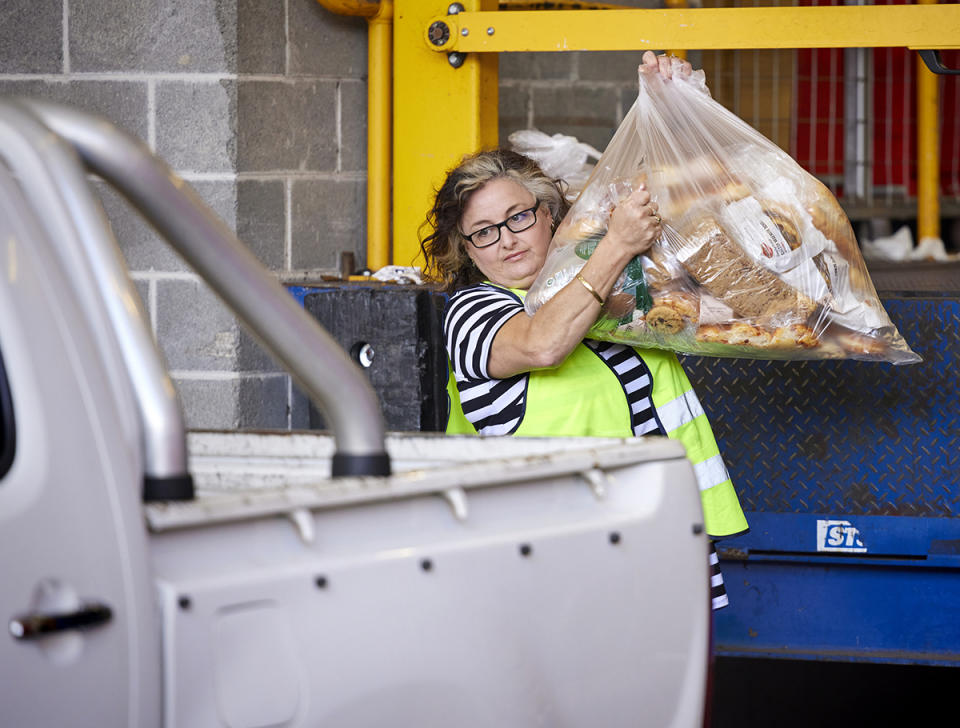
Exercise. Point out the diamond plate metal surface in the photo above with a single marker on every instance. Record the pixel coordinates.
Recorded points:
(846, 437)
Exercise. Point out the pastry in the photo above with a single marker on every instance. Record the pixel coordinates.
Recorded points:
(733, 334)
(664, 320)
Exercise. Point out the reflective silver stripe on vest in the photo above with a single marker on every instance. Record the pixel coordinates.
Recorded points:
(680, 411)
(711, 472)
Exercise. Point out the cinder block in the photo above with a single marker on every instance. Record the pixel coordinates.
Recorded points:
(199, 333)
(242, 403)
(353, 126)
(261, 37)
(254, 210)
(263, 403)
(299, 409)
(252, 356)
(329, 216)
(208, 404)
(196, 125)
(400, 325)
(514, 111)
(589, 114)
(325, 44)
(220, 197)
(286, 126)
(31, 36)
(162, 35)
(611, 66)
(261, 220)
(537, 66)
(122, 102)
(142, 247)
(195, 330)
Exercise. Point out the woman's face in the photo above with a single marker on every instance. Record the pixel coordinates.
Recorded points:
(516, 259)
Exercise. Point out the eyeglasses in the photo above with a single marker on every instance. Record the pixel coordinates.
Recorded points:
(516, 223)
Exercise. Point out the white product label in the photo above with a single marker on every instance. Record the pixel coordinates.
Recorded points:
(839, 536)
(806, 277)
(713, 311)
(758, 235)
(838, 269)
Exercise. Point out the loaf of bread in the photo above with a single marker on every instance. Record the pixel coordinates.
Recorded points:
(722, 268)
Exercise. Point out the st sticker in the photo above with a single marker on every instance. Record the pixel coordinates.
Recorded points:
(840, 536)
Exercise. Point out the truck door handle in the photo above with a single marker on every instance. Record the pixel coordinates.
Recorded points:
(33, 626)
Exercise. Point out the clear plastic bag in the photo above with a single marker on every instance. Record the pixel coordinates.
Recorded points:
(757, 258)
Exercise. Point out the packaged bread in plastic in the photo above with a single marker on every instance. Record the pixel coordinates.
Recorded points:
(757, 258)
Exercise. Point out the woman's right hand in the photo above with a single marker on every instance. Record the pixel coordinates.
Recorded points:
(635, 223)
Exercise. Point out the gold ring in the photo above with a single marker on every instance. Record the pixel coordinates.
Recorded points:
(659, 221)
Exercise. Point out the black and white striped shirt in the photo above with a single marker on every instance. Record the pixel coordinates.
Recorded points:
(496, 406)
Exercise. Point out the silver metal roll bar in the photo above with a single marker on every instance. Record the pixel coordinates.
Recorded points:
(41, 142)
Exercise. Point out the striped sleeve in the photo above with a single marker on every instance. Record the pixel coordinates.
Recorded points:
(472, 320)
(718, 591)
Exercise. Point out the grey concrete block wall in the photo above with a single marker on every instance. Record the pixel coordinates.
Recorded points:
(261, 106)
(584, 95)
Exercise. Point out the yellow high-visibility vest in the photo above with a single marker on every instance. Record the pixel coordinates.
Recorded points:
(583, 398)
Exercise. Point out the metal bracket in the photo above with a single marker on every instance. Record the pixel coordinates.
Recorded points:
(935, 64)
(457, 498)
(597, 480)
(302, 519)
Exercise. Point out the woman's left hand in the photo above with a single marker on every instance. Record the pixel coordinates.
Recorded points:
(664, 64)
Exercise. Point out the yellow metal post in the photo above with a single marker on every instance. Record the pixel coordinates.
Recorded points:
(441, 112)
(379, 14)
(677, 5)
(379, 88)
(928, 152)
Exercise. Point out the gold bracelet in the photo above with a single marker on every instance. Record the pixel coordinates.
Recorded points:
(593, 291)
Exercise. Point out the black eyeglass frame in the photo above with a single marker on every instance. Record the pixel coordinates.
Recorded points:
(504, 224)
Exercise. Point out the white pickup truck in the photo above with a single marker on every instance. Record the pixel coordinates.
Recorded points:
(153, 577)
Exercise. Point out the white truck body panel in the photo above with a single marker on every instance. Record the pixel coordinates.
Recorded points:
(485, 582)
(421, 617)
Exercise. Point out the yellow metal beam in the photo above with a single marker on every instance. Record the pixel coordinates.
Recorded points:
(441, 111)
(845, 26)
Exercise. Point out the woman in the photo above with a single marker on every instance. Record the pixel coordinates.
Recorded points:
(492, 222)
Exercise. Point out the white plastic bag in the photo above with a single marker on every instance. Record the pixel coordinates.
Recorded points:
(757, 258)
(559, 156)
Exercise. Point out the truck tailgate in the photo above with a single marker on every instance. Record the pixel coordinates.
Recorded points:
(487, 582)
